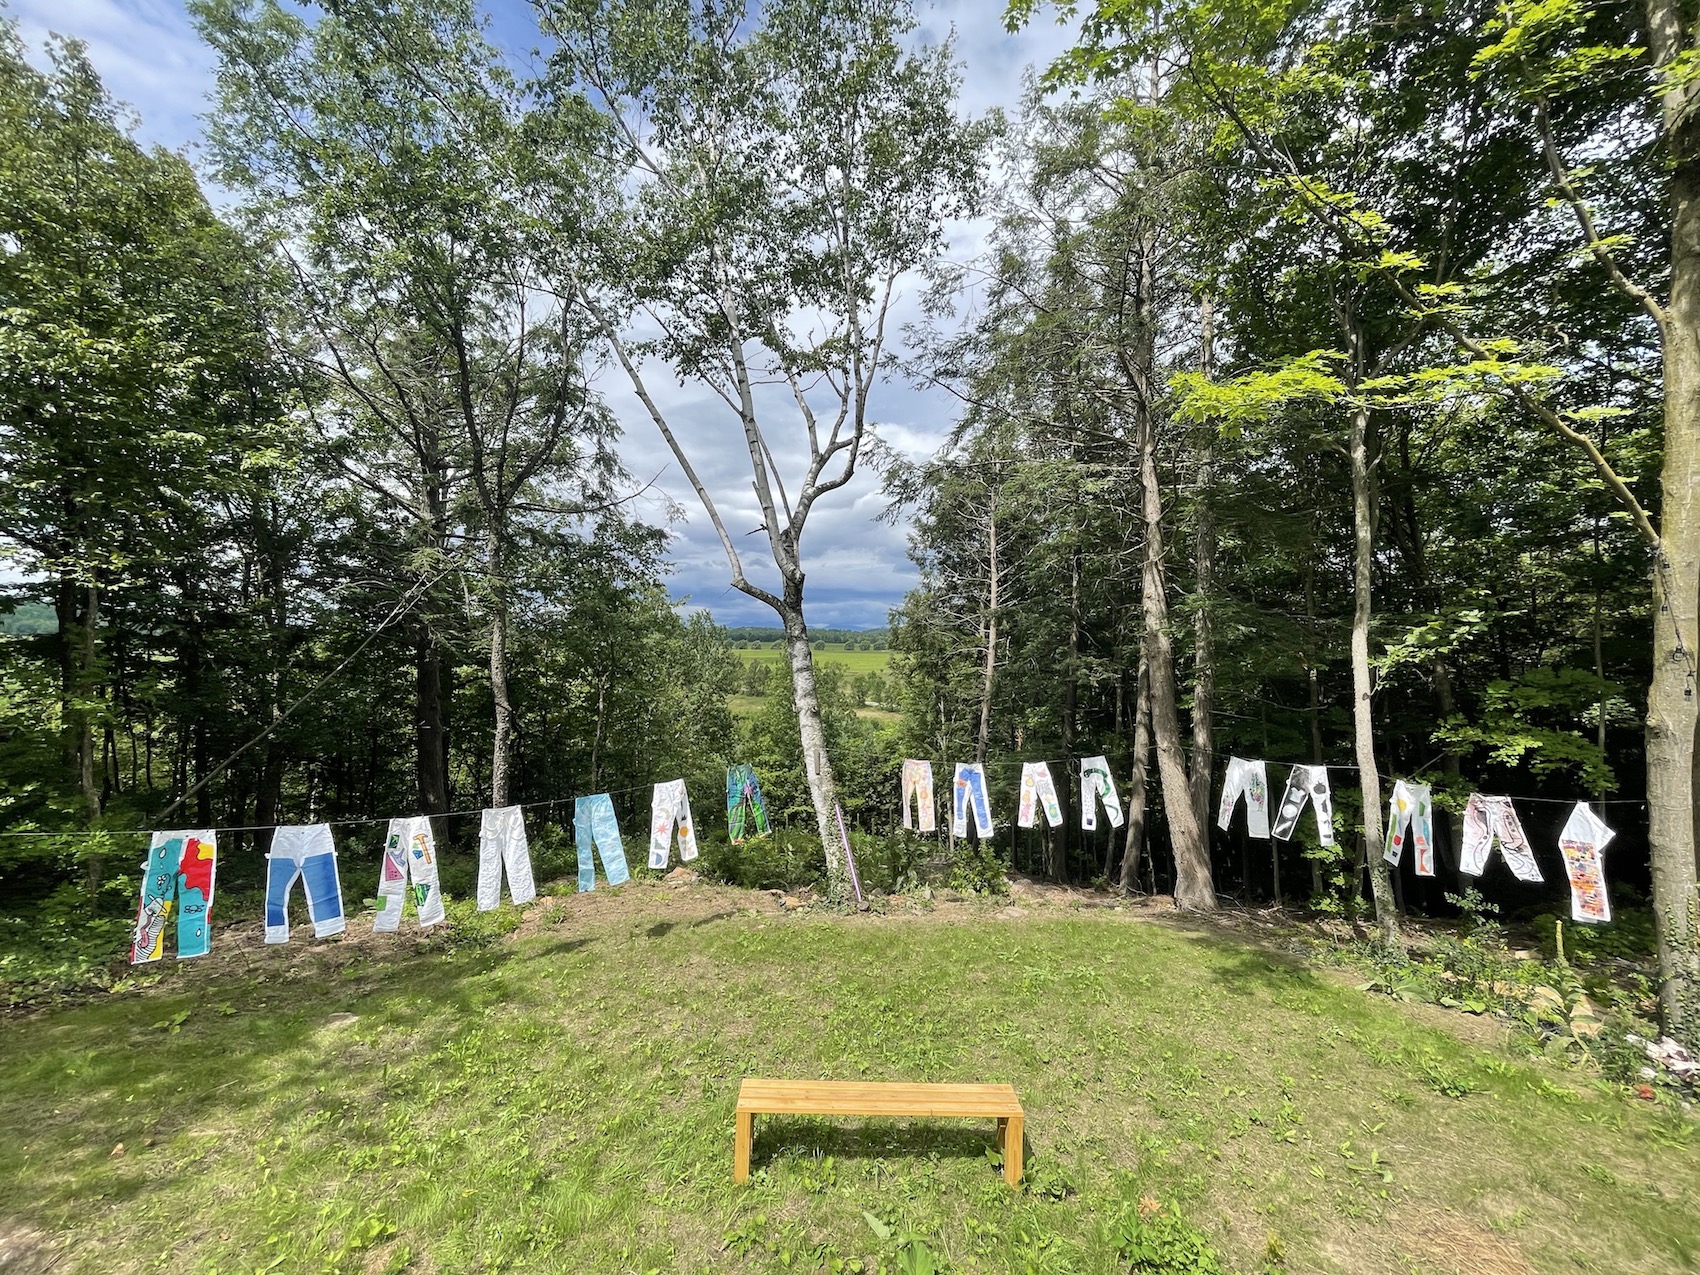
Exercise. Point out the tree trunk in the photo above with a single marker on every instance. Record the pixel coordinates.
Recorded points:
(501, 748)
(430, 724)
(1135, 843)
(1204, 570)
(1671, 716)
(1193, 887)
(817, 765)
(989, 674)
(1313, 683)
(1369, 778)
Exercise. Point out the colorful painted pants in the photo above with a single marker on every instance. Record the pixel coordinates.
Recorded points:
(1037, 788)
(1306, 783)
(918, 783)
(970, 788)
(670, 805)
(177, 877)
(410, 850)
(502, 843)
(1410, 810)
(596, 829)
(1251, 779)
(304, 853)
(1584, 837)
(1096, 784)
(746, 813)
(1487, 819)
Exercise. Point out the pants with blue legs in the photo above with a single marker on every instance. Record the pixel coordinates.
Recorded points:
(968, 790)
(304, 853)
(595, 829)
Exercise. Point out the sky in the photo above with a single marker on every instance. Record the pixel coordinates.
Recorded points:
(857, 564)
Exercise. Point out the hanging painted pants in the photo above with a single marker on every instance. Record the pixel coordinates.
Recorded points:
(970, 788)
(410, 851)
(746, 812)
(1409, 810)
(502, 843)
(1490, 819)
(304, 853)
(1584, 837)
(1037, 788)
(1095, 783)
(670, 805)
(596, 829)
(1306, 783)
(1250, 779)
(918, 784)
(177, 879)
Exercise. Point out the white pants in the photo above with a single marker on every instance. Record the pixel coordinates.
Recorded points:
(918, 783)
(670, 805)
(1584, 837)
(410, 850)
(1307, 783)
(502, 842)
(1095, 782)
(1490, 819)
(1409, 812)
(304, 853)
(1251, 779)
(1037, 788)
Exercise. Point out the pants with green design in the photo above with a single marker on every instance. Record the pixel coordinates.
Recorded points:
(410, 855)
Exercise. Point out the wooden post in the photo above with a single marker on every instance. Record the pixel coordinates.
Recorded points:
(1012, 1142)
(741, 1143)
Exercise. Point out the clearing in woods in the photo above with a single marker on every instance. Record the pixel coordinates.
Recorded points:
(560, 1098)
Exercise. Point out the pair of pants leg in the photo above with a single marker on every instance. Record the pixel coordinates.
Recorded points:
(918, 784)
(177, 877)
(1585, 835)
(410, 851)
(1037, 788)
(596, 829)
(970, 788)
(1306, 783)
(1246, 778)
(1096, 784)
(670, 805)
(502, 843)
(1410, 810)
(746, 812)
(304, 853)
(1487, 819)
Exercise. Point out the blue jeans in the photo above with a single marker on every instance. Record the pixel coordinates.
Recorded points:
(970, 788)
(596, 829)
(307, 854)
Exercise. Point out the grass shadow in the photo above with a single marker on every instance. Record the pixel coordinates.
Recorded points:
(778, 1137)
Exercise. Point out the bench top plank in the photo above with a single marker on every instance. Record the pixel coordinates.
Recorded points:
(875, 1098)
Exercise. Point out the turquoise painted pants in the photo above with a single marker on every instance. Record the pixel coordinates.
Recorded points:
(177, 880)
(746, 812)
(595, 829)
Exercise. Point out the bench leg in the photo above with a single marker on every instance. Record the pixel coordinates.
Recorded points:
(743, 1136)
(1011, 1134)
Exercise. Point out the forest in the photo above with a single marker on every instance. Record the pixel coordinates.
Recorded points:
(1324, 388)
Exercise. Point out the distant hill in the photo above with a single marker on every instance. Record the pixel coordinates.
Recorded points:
(745, 636)
(28, 618)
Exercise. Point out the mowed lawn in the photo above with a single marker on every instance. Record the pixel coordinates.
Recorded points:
(852, 662)
(560, 1099)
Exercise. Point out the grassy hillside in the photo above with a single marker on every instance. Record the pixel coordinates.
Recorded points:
(851, 661)
(560, 1099)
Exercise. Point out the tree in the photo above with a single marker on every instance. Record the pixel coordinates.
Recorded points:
(424, 211)
(780, 178)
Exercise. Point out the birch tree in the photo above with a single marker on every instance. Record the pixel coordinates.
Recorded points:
(782, 175)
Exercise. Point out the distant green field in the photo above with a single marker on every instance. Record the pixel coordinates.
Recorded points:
(850, 661)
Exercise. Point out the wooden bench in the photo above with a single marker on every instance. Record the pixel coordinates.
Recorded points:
(860, 1098)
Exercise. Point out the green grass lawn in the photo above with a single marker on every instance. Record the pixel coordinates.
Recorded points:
(560, 1099)
(851, 662)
